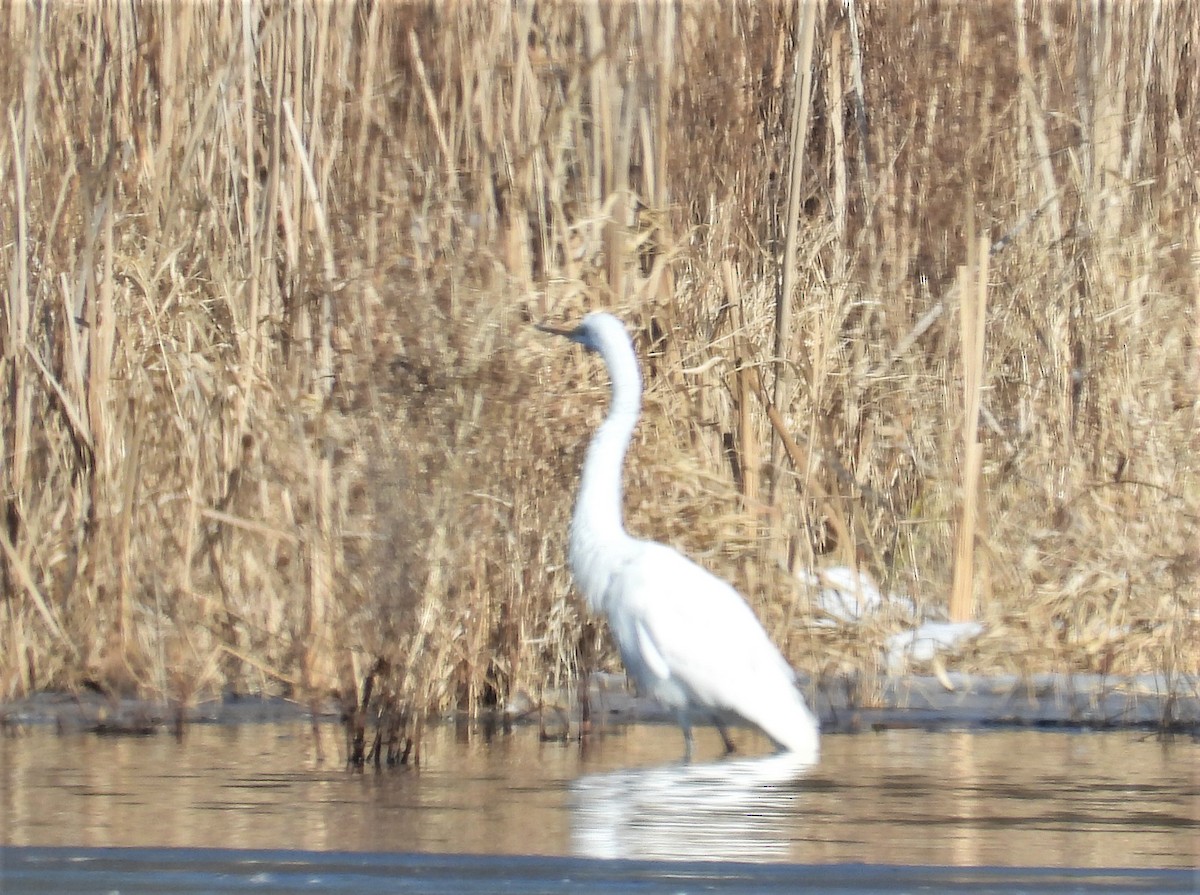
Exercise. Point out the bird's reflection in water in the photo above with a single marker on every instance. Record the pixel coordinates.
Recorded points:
(734, 810)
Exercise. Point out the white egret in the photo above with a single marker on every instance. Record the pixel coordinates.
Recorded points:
(686, 637)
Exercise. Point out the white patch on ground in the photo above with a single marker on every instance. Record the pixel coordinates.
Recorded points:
(849, 597)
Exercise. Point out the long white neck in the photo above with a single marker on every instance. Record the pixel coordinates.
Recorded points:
(598, 536)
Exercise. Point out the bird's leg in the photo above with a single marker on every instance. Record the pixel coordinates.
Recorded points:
(686, 723)
(730, 748)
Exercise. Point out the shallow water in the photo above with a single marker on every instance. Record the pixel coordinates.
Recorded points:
(900, 797)
(217, 870)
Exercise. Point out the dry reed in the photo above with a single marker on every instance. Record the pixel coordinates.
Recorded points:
(273, 414)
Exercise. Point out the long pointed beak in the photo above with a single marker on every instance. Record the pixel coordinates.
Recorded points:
(555, 331)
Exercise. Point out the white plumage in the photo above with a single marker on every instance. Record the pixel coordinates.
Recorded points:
(686, 637)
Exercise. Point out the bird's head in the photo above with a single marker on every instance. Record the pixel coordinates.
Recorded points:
(593, 332)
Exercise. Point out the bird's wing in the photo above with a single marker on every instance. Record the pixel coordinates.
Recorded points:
(655, 661)
(694, 627)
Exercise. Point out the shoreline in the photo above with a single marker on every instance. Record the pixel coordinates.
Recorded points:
(844, 705)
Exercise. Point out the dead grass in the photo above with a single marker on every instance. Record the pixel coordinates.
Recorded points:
(274, 412)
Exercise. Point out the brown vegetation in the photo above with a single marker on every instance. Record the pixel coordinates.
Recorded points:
(273, 415)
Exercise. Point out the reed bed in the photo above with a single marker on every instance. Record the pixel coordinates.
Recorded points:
(916, 288)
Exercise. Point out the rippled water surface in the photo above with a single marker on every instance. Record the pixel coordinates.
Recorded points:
(902, 797)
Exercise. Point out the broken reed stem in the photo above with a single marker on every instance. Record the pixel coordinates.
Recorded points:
(250, 218)
(749, 458)
(25, 578)
(837, 101)
(972, 323)
(828, 502)
(18, 307)
(1035, 116)
(801, 101)
(431, 106)
(1195, 366)
(314, 195)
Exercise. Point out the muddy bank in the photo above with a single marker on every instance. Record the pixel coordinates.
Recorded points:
(844, 705)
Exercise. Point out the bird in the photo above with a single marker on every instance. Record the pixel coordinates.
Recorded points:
(685, 636)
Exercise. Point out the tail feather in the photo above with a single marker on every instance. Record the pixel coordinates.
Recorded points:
(792, 726)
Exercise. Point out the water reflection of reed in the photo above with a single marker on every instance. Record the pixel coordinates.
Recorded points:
(739, 809)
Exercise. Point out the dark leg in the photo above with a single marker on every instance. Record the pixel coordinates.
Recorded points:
(730, 748)
(686, 723)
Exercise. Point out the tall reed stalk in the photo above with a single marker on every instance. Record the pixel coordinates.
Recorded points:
(972, 292)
